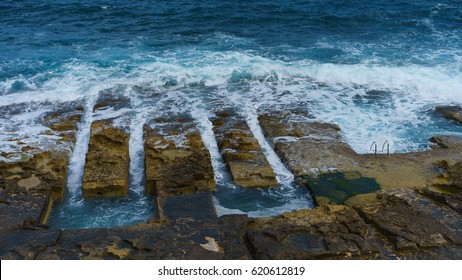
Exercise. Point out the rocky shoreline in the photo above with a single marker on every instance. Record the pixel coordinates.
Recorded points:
(396, 206)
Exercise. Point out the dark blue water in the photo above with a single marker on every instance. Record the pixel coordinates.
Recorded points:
(376, 68)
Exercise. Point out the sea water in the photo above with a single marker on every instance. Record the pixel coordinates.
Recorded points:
(376, 68)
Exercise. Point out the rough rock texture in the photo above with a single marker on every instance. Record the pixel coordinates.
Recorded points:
(327, 232)
(242, 152)
(232, 229)
(146, 241)
(310, 148)
(193, 216)
(450, 112)
(409, 221)
(65, 122)
(416, 215)
(107, 162)
(28, 189)
(176, 160)
(307, 147)
(390, 224)
(110, 101)
(337, 187)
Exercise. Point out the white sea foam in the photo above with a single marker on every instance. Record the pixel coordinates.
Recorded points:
(136, 148)
(77, 160)
(327, 90)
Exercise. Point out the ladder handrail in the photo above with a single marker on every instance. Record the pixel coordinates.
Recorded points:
(373, 143)
(388, 146)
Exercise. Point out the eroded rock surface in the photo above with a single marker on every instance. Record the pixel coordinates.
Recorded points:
(107, 161)
(29, 186)
(409, 221)
(307, 147)
(65, 121)
(176, 160)
(450, 112)
(242, 152)
(28, 189)
(417, 214)
(327, 232)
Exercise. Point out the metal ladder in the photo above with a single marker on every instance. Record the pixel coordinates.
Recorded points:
(374, 144)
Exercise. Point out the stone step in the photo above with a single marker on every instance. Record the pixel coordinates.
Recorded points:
(107, 162)
(176, 160)
(30, 186)
(242, 152)
(306, 147)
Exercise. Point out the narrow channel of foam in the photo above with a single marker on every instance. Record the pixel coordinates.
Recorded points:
(136, 148)
(283, 175)
(208, 137)
(77, 160)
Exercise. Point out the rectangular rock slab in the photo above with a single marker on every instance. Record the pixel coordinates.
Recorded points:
(176, 160)
(242, 153)
(198, 206)
(107, 162)
(194, 218)
(307, 147)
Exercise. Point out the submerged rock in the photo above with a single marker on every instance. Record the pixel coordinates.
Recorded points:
(107, 162)
(176, 160)
(242, 152)
(337, 187)
(450, 112)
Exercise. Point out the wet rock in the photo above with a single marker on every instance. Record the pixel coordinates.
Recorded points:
(337, 187)
(107, 161)
(403, 217)
(449, 178)
(451, 200)
(307, 147)
(450, 112)
(446, 216)
(325, 232)
(310, 148)
(29, 189)
(194, 217)
(242, 152)
(26, 244)
(144, 241)
(233, 228)
(447, 142)
(111, 101)
(199, 206)
(176, 160)
(65, 121)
